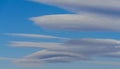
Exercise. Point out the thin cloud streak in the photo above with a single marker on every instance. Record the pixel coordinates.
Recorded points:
(35, 36)
(38, 62)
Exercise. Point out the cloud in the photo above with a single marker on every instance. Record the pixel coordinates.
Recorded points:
(75, 49)
(111, 6)
(71, 50)
(5, 58)
(36, 62)
(104, 62)
(113, 54)
(44, 45)
(87, 16)
(35, 35)
(96, 47)
(54, 57)
(79, 22)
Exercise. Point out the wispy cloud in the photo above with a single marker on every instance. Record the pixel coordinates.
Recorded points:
(35, 35)
(37, 62)
(104, 62)
(6, 58)
(44, 45)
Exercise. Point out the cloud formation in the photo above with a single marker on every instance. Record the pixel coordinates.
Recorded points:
(84, 5)
(35, 36)
(74, 49)
(71, 50)
(88, 15)
(44, 45)
(79, 22)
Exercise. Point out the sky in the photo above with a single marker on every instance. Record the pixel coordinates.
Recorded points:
(62, 34)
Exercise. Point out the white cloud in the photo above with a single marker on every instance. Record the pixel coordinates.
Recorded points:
(71, 50)
(44, 45)
(80, 5)
(80, 22)
(35, 36)
(87, 21)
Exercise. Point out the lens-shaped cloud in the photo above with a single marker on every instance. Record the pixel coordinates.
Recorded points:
(101, 6)
(79, 22)
(71, 50)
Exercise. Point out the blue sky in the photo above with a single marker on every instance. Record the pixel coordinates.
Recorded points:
(50, 27)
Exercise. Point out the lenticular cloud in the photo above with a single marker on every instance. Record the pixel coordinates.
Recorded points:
(84, 5)
(70, 50)
(87, 16)
(79, 22)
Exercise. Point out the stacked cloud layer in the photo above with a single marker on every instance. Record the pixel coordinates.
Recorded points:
(89, 15)
(69, 50)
